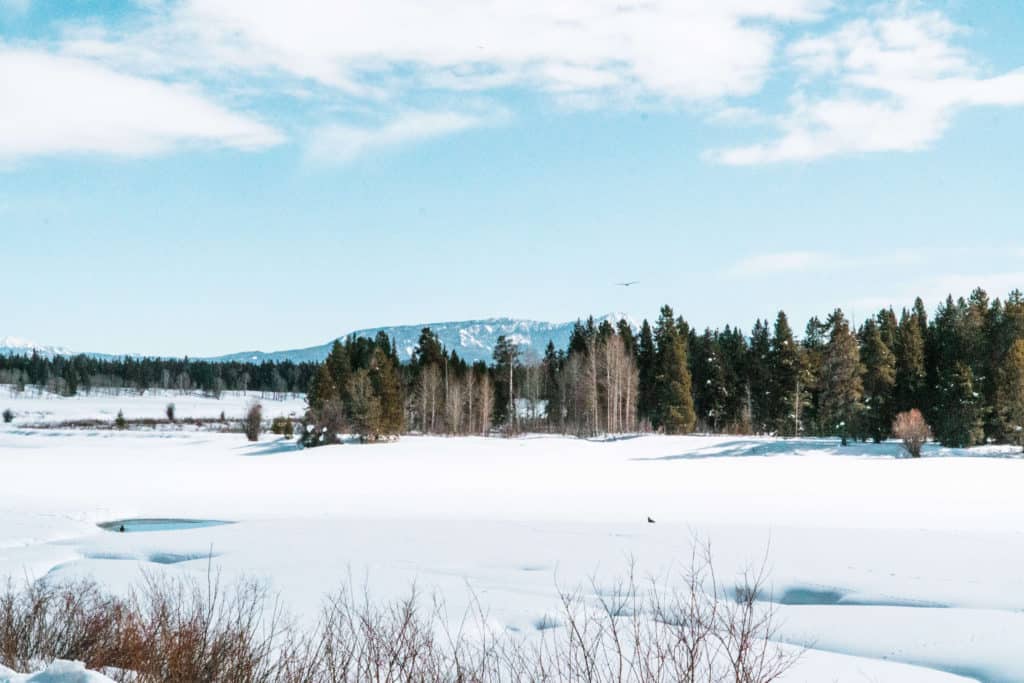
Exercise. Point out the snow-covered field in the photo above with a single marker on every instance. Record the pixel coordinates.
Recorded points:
(34, 407)
(889, 569)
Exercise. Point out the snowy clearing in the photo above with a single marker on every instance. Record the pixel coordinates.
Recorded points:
(890, 569)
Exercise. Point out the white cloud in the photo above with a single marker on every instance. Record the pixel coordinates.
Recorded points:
(891, 81)
(688, 50)
(55, 104)
(888, 83)
(337, 143)
(743, 116)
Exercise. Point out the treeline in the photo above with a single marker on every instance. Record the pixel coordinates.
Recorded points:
(963, 368)
(69, 376)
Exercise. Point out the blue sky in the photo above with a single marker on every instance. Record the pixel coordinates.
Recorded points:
(207, 176)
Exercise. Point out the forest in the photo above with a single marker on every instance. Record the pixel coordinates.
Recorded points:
(962, 367)
(69, 376)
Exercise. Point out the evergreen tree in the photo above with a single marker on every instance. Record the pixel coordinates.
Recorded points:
(911, 375)
(582, 336)
(980, 321)
(339, 369)
(879, 383)
(506, 358)
(958, 416)
(387, 388)
(709, 387)
(429, 350)
(841, 385)
(646, 363)
(364, 408)
(759, 378)
(321, 390)
(921, 315)
(784, 379)
(625, 332)
(732, 346)
(551, 391)
(813, 357)
(1010, 395)
(888, 327)
(672, 383)
(944, 348)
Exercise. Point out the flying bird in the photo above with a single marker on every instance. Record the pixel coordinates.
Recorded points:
(627, 284)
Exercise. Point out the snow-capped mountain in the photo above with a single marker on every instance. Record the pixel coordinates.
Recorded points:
(16, 346)
(473, 340)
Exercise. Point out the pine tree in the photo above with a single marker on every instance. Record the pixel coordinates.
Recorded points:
(339, 369)
(322, 389)
(759, 377)
(625, 332)
(672, 383)
(784, 378)
(387, 388)
(1010, 394)
(841, 385)
(364, 408)
(958, 417)
(646, 362)
(732, 345)
(911, 375)
(708, 375)
(879, 383)
(506, 358)
(551, 394)
(978, 325)
(429, 350)
(888, 327)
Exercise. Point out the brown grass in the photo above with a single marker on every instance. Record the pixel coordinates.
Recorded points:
(189, 631)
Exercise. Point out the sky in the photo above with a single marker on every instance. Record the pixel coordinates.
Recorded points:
(209, 176)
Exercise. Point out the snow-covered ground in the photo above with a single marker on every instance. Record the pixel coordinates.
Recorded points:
(34, 407)
(890, 569)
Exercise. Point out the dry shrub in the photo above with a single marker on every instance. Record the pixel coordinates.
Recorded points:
(253, 422)
(910, 427)
(187, 631)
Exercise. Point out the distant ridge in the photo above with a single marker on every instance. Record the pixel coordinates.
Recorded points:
(16, 346)
(473, 340)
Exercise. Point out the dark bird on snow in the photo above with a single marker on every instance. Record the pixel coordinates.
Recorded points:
(627, 284)
(650, 521)
(121, 529)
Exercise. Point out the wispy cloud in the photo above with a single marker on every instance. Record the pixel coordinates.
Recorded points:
(892, 79)
(337, 143)
(686, 50)
(55, 104)
(888, 83)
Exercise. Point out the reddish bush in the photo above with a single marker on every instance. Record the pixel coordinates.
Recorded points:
(910, 427)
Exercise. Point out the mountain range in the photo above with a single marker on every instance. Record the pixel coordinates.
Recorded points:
(473, 340)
